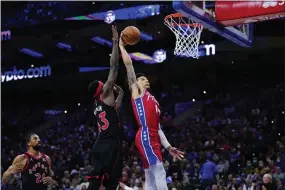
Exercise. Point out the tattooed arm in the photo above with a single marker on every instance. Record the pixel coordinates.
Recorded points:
(108, 95)
(133, 85)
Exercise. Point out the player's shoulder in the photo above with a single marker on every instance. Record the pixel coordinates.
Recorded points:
(20, 158)
(47, 159)
(46, 156)
(139, 94)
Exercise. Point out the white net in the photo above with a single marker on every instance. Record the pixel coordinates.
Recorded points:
(187, 34)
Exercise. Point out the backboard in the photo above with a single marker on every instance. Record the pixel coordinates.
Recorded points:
(203, 12)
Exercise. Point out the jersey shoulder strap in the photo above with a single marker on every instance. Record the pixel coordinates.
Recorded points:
(47, 159)
(27, 162)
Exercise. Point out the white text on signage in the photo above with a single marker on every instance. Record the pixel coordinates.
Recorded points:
(207, 50)
(268, 4)
(19, 74)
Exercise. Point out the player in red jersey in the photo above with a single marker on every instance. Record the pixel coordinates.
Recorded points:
(149, 137)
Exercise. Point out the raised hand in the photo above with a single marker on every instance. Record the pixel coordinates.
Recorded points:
(115, 33)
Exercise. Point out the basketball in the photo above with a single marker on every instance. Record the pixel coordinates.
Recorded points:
(131, 35)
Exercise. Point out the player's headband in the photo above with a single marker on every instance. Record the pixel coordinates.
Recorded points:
(95, 88)
(99, 88)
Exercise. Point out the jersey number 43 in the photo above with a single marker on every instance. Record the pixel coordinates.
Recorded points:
(105, 122)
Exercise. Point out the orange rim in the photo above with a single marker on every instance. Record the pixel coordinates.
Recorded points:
(179, 15)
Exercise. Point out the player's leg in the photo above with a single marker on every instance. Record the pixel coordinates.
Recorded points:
(159, 175)
(112, 184)
(94, 184)
(149, 180)
(94, 181)
(115, 166)
(95, 176)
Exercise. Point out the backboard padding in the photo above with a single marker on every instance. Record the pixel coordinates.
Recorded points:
(201, 15)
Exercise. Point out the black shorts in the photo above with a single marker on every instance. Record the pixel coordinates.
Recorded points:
(106, 160)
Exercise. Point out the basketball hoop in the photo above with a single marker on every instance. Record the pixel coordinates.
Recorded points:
(187, 34)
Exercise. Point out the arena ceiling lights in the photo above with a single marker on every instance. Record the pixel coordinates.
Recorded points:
(136, 12)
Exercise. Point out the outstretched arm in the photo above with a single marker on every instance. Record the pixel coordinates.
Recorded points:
(163, 139)
(133, 85)
(108, 96)
(176, 154)
(120, 96)
(114, 62)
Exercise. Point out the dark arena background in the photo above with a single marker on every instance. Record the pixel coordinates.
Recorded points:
(227, 107)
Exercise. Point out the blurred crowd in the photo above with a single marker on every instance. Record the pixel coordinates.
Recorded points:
(232, 141)
(32, 13)
(21, 14)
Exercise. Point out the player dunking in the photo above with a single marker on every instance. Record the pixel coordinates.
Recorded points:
(106, 157)
(35, 167)
(149, 136)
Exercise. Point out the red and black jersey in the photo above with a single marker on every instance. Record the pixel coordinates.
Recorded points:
(34, 171)
(108, 120)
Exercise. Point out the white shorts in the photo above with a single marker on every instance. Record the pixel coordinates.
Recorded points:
(155, 177)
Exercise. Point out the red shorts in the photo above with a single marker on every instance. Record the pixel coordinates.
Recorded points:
(148, 145)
